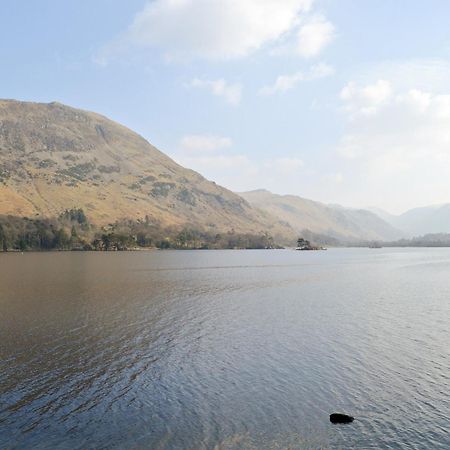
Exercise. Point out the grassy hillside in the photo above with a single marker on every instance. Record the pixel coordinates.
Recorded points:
(54, 157)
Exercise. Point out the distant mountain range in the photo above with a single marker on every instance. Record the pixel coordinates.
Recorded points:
(54, 157)
(419, 221)
(343, 224)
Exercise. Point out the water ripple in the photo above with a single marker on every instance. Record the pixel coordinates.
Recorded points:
(224, 350)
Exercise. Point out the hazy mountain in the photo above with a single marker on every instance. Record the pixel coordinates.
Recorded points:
(54, 157)
(332, 220)
(424, 220)
(382, 214)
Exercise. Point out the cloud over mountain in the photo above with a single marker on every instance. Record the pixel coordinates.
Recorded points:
(199, 143)
(398, 140)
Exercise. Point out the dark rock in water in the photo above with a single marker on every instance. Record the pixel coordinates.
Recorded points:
(341, 418)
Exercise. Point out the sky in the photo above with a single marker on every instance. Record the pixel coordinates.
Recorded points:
(341, 101)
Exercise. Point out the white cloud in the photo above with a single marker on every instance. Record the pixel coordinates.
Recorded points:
(423, 74)
(314, 35)
(214, 163)
(200, 143)
(321, 70)
(415, 100)
(219, 29)
(368, 99)
(231, 93)
(284, 83)
(398, 142)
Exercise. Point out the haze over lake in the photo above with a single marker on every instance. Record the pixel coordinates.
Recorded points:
(225, 349)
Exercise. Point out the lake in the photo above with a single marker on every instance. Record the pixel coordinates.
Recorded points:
(225, 349)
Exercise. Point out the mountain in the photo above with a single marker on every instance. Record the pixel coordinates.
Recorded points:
(54, 157)
(344, 224)
(424, 220)
(382, 214)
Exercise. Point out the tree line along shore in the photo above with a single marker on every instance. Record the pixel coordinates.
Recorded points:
(72, 230)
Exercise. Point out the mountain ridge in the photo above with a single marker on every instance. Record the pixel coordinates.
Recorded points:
(421, 220)
(54, 157)
(345, 224)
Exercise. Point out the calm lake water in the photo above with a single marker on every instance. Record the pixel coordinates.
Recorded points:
(225, 349)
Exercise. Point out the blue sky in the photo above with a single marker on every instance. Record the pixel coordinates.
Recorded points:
(336, 100)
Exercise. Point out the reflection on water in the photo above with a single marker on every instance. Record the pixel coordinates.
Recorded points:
(225, 349)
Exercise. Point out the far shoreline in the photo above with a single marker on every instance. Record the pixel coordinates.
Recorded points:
(145, 250)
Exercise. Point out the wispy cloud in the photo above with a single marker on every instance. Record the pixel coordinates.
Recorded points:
(366, 99)
(314, 35)
(284, 83)
(200, 143)
(216, 163)
(230, 92)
